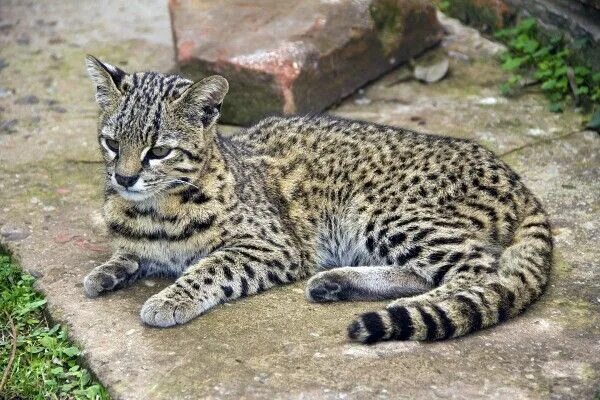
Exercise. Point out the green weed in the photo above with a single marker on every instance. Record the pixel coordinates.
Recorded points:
(548, 62)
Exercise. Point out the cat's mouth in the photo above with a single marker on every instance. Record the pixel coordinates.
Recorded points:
(135, 195)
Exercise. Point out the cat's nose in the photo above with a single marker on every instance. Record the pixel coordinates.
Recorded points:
(126, 181)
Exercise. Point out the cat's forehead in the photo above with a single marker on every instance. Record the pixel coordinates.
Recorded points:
(139, 115)
(154, 86)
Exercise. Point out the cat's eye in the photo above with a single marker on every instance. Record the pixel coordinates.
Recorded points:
(159, 152)
(113, 145)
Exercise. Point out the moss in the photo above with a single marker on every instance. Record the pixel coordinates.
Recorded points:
(42, 179)
(561, 268)
(575, 313)
(388, 22)
(485, 15)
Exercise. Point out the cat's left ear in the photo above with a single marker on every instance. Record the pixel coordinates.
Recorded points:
(108, 80)
(201, 103)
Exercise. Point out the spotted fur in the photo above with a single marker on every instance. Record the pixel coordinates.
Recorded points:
(439, 225)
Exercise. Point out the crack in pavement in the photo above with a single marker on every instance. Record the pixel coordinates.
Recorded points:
(542, 141)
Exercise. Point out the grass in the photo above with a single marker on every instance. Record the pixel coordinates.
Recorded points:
(36, 359)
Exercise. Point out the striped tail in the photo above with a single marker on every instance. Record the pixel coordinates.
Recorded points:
(523, 273)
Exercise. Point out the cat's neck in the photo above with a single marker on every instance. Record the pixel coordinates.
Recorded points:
(215, 179)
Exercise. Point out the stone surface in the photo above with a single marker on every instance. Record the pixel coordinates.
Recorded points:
(284, 57)
(276, 345)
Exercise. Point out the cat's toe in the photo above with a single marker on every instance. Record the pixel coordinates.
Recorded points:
(97, 282)
(164, 312)
(325, 288)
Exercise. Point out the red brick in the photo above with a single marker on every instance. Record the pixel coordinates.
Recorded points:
(284, 57)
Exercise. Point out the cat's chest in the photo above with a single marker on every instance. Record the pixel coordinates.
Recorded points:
(169, 241)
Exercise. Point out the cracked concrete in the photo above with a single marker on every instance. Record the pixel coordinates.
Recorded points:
(276, 345)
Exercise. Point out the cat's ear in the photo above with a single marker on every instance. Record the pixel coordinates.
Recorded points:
(108, 80)
(201, 103)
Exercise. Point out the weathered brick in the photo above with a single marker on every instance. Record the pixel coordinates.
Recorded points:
(284, 57)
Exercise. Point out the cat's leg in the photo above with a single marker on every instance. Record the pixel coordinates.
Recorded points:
(365, 283)
(225, 275)
(460, 267)
(119, 271)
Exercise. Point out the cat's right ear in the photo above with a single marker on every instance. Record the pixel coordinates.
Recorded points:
(107, 79)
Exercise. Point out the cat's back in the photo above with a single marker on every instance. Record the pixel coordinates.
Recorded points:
(327, 136)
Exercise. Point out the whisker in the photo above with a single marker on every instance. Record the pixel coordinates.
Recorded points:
(184, 182)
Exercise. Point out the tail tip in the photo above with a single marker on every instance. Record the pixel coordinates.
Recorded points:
(367, 329)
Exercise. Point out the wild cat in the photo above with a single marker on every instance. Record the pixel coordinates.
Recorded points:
(369, 212)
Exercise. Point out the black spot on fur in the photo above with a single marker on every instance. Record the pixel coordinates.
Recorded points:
(413, 252)
(227, 290)
(436, 257)
(249, 271)
(370, 244)
(244, 287)
(454, 257)
(474, 312)
(274, 278)
(397, 239)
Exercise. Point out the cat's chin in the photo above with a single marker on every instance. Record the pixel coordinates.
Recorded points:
(135, 196)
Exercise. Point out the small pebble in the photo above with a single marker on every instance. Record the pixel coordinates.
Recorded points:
(363, 101)
(488, 101)
(4, 92)
(13, 234)
(149, 283)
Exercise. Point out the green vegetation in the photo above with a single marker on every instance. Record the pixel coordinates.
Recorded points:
(533, 58)
(37, 361)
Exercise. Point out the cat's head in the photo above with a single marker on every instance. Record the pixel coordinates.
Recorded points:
(155, 130)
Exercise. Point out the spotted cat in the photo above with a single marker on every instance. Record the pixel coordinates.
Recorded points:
(438, 225)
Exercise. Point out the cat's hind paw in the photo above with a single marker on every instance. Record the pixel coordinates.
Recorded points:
(326, 287)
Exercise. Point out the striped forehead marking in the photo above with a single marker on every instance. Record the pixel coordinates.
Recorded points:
(139, 114)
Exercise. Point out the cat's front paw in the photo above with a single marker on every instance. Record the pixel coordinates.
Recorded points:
(162, 311)
(99, 281)
(118, 272)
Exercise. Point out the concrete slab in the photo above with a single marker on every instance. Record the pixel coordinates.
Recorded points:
(277, 345)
